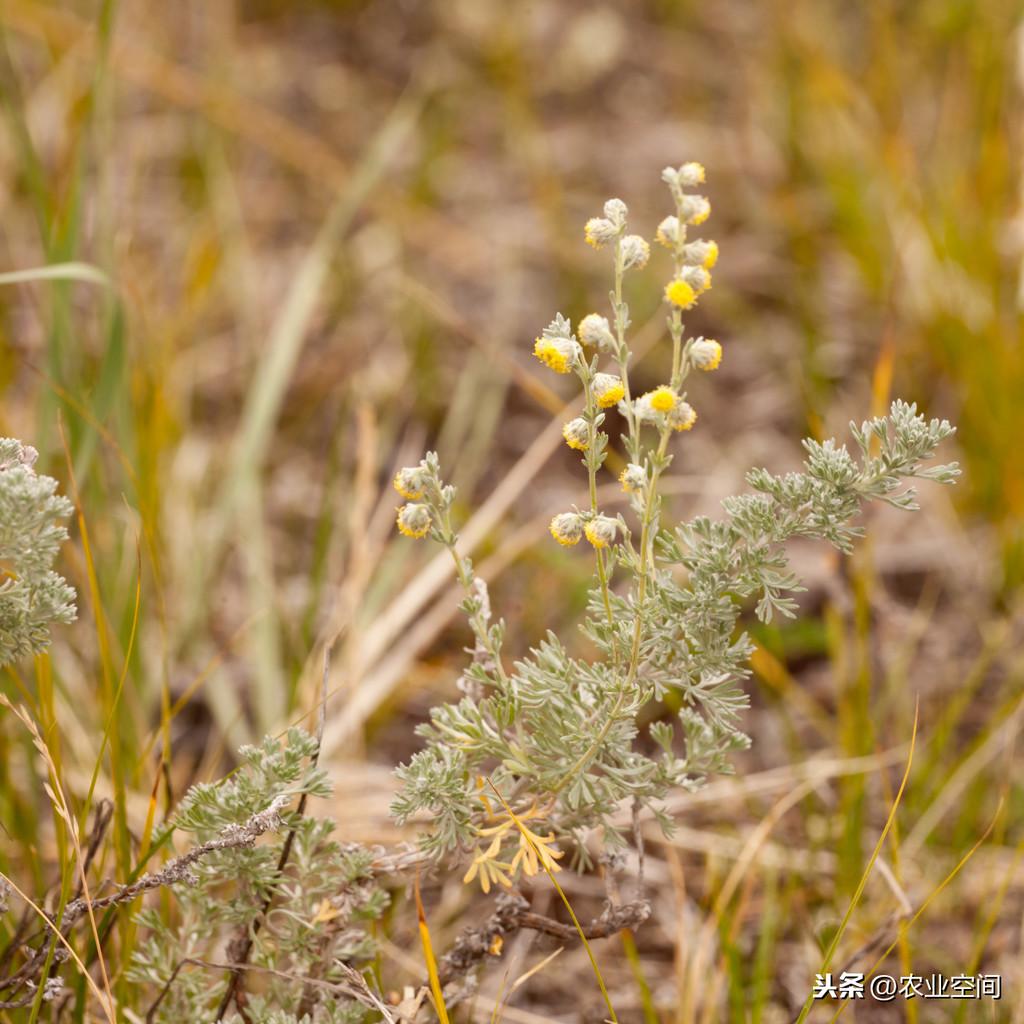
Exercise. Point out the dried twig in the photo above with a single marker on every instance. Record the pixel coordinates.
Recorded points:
(513, 913)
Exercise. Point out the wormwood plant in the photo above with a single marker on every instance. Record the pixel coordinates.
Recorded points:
(555, 739)
(32, 595)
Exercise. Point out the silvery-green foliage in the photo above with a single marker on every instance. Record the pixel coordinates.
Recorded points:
(32, 595)
(262, 1009)
(318, 911)
(561, 731)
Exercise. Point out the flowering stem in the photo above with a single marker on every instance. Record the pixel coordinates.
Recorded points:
(634, 654)
(479, 624)
(675, 325)
(593, 461)
(622, 353)
(633, 445)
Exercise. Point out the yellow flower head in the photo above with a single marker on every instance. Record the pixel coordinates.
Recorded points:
(632, 478)
(567, 528)
(601, 531)
(608, 390)
(706, 354)
(663, 399)
(711, 258)
(577, 434)
(680, 294)
(682, 417)
(409, 482)
(557, 354)
(414, 520)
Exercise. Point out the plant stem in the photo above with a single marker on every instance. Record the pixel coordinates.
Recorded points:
(464, 570)
(592, 462)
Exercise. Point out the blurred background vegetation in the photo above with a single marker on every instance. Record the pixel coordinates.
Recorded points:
(327, 234)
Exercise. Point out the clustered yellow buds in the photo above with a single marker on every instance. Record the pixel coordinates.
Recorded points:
(682, 417)
(601, 531)
(577, 434)
(608, 390)
(414, 520)
(567, 528)
(635, 252)
(595, 330)
(558, 349)
(664, 407)
(663, 399)
(559, 354)
(633, 478)
(706, 354)
(409, 482)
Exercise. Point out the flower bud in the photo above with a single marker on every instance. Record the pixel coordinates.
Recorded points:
(701, 253)
(695, 209)
(669, 232)
(608, 390)
(595, 330)
(691, 174)
(410, 481)
(682, 417)
(567, 528)
(635, 252)
(559, 354)
(688, 176)
(615, 210)
(577, 434)
(414, 520)
(601, 531)
(706, 354)
(697, 278)
(599, 231)
(633, 478)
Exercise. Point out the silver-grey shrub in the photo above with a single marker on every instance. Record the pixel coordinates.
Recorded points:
(32, 596)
